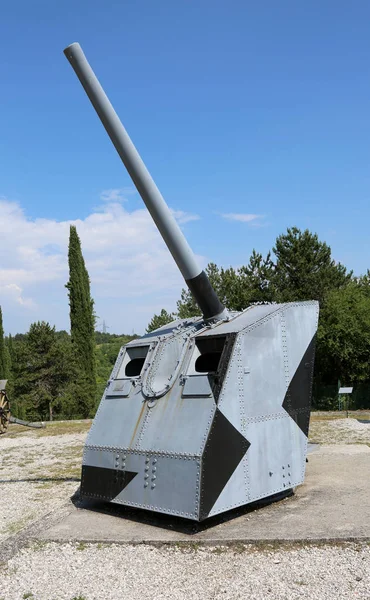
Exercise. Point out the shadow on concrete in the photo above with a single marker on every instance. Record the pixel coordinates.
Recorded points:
(366, 421)
(170, 522)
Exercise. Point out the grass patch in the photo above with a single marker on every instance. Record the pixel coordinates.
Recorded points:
(51, 429)
(63, 462)
(38, 545)
(81, 546)
(69, 452)
(64, 472)
(17, 526)
(45, 485)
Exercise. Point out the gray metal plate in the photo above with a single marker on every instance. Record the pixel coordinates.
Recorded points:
(196, 386)
(177, 425)
(164, 484)
(118, 421)
(276, 458)
(301, 325)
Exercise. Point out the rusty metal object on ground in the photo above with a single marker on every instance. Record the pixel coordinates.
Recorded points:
(4, 408)
(5, 415)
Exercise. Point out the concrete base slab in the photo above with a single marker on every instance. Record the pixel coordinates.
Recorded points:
(332, 504)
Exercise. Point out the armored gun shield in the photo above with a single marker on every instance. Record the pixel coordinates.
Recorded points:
(207, 414)
(199, 419)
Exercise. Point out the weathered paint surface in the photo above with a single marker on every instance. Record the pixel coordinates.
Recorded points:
(202, 454)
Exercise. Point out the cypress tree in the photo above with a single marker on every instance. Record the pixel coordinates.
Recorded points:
(4, 360)
(82, 317)
(9, 347)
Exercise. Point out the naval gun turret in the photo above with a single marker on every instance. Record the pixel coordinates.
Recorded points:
(204, 414)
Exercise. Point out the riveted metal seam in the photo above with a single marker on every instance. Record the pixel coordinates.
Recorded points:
(134, 451)
(285, 351)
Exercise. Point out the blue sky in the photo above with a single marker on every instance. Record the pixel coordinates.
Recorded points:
(239, 108)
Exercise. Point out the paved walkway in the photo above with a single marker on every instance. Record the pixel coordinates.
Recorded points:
(333, 504)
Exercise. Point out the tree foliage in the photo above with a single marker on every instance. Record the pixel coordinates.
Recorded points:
(44, 372)
(301, 267)
(61, 375)
(343, 347)
(43, 368)
(159, 320)
(236, 288)
(304, 268)
(82, 317)
(4, 352)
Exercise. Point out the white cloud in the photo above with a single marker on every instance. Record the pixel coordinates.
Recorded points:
(117, 194)
(184, 217)
(15, 293)
(130, 268)
(242, 217)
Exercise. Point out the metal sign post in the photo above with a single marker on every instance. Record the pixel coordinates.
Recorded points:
(343, 394)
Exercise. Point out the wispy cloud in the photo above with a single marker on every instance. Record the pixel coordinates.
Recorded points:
(241, 217)
(128, 263)
(184, 217)
(15, 294)
(117, 194)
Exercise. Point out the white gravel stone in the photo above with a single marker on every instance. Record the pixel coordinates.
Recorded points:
(340, 431)
(22, 503)
(31, 477)
(96, 572)
(42, 444)
(352, 425)
(29, 489)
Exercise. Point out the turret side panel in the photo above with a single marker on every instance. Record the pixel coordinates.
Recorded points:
(253, 391)
(154, 482)
(276, 458)
(266, 396)
(300, 324)
(256, 385)
(235, 491)
(223, 453)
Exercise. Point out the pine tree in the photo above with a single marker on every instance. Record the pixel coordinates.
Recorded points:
(305, 269)
(159, 320)
(82, 317)
(43, 370)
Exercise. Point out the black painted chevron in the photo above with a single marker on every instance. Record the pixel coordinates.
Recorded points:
(104, 484)
(297, 401)
(223, 452)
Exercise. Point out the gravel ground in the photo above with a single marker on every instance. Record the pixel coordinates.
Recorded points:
(96, 572)
(32, 463)
(39, 473)
(339, 431)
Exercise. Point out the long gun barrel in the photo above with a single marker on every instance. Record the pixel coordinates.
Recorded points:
(195, 278)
